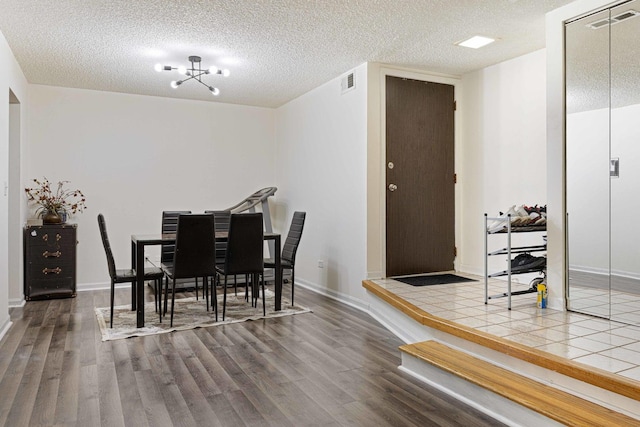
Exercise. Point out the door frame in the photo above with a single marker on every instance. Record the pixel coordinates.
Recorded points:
(382, 167)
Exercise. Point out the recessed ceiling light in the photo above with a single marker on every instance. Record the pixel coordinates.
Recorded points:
(476, 42)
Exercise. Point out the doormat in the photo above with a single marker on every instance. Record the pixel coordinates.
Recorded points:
(434, 279)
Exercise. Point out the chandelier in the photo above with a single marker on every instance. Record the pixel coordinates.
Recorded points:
(194, 73)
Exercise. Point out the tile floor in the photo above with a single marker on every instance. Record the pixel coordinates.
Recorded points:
(608, 345)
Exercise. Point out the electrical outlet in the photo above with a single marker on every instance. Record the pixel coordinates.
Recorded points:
(320, 263)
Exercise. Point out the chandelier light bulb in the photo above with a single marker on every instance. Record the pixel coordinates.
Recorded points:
(213, 69)
(226, 72)
(175, 84)
(182, 70)
(214, 91)
(158, 68)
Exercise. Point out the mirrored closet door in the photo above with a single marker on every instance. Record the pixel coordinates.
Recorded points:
(603, 163)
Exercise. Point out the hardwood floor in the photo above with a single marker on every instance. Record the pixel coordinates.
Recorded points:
(335, 366)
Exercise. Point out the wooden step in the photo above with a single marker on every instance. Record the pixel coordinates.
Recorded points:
(581, 372)
(551, 402)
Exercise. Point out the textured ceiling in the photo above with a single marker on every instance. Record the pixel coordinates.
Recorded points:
(276, 50)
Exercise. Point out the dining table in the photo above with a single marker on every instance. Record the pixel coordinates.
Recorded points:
(140, 241)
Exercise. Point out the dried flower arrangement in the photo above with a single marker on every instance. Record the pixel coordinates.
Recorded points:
(55, 199)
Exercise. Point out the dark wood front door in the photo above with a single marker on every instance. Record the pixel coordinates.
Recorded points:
(420, 223)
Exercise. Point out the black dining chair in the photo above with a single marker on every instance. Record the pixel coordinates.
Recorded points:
(169, 226)
(245, 254)
(221, 220)
(127, 276)
(194, 255)
(290, 248)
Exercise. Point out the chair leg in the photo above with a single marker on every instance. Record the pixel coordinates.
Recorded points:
(255, 292)
(158, 286)
(264, 305)
(166, 293)
(214, 297)
(173, 299)
(113, 290)
(205, 290)
(246, 288)
(224, 299)
(235, 284)
(293, 276)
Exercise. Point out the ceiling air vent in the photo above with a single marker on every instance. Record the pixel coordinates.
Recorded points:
(613, 20)
(348, 82)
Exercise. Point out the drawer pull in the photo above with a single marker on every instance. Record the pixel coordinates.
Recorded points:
(48, 254)
(56, 270)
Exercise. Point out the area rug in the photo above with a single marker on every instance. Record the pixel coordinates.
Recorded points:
(188, 314)
(434, 279)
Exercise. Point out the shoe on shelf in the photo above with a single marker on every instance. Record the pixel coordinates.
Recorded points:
(542, 220)
(526, 261)
(521, 218)
(501, 223)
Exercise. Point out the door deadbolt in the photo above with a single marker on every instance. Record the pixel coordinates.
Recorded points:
(393, 187)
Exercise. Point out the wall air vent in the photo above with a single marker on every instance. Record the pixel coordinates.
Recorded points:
(348, 82)
(613, 20)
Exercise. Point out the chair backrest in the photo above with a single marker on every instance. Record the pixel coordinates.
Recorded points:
(293, 238)
(221, 220)
(169, 225)
(195, 251)
(245, 244)
(111, 264)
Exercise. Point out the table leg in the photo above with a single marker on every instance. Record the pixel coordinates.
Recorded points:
(139, 285)
(278, 274)
(133, 284)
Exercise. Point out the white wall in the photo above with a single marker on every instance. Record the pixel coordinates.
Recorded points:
(11, 79)
(17, 207)
(321, 169)
(135, 156)
(503, 158)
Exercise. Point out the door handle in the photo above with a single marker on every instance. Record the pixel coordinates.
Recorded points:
(614, 167)
(393, 187)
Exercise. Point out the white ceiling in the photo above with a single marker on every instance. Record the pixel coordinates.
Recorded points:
(276, 49)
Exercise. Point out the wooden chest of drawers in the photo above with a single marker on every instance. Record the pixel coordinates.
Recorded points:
(50, 261)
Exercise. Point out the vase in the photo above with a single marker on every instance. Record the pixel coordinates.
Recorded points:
(51, 217)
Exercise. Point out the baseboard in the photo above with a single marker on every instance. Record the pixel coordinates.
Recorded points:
(5, 328)
(398, 323)
(372, 275)
(356, 303)
(17, 302)
(83, 287)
